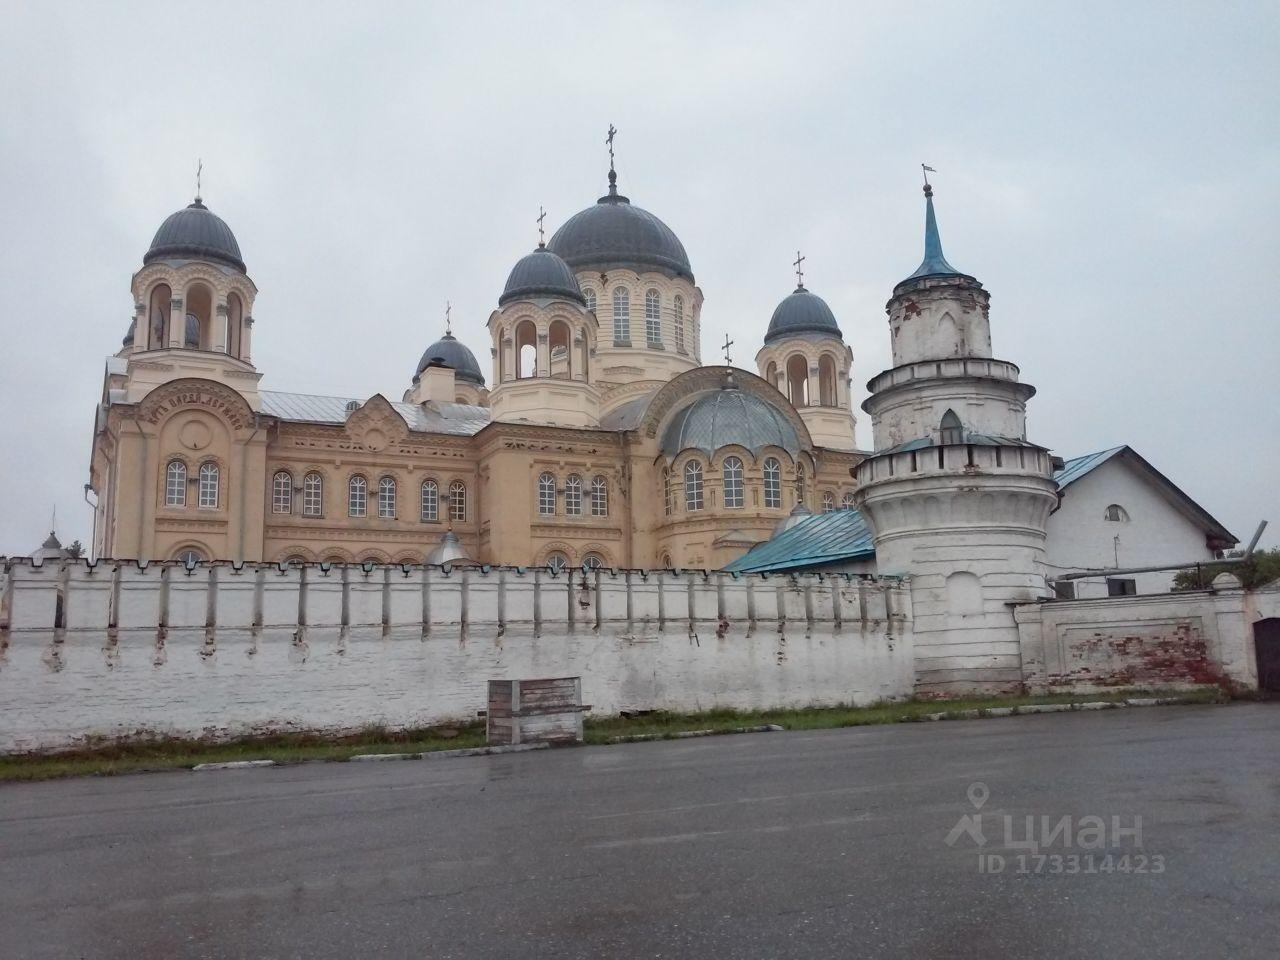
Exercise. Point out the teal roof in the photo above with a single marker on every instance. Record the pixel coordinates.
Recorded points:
(1073, 470)
(934, 263)
(836, 537)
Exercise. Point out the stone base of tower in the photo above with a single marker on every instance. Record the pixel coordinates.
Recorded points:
(972, 546)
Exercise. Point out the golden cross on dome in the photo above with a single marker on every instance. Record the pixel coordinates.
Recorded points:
(797, 263)
(728, 361)
(542, 215)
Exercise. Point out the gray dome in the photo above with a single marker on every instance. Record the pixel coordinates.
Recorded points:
(802, 312)
(448, 352)
(195, 233)
(541, 274)
(729, 416)
(613, 233)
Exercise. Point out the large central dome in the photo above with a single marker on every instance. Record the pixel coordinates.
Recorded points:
(613, 234)
(729, 416)
(195, 233)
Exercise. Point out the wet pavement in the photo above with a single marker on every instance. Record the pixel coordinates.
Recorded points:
(822, 844)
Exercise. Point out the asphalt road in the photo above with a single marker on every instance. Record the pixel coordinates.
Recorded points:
(823, 844)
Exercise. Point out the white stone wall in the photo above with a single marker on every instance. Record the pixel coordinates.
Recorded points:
(1156, 533)
(419, 645)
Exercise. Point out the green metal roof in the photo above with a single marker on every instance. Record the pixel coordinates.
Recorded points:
(836, 537)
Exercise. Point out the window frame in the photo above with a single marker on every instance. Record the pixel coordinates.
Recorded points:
(175, 484)
(209, 486)
(282, 494)
(313, 489)
(599, 496)
(573, 495)
(677, 306)
(431, 515)
(732, 475)
(458, 502)
(621, 316)
(771, 471)
(653, 317)
(694, 487)
(357, 496)
(386, 497)
(546, 494)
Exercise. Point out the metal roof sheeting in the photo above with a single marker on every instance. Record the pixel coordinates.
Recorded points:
(836, 537)
(455, 419)
(1073, 470)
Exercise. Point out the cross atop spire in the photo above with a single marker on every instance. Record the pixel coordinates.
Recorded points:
(798, 263)
(542, 215)
(728, 360)
(934, 263)
(448, 319)
(199, 170)
(613, 174)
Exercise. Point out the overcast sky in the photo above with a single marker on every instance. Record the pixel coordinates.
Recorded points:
(1109, 171)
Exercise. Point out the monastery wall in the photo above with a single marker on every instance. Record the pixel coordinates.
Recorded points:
(219, 650)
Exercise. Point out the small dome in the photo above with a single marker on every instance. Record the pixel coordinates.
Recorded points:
(729, 416)
(541, 274)
(613, 233)
(448, 352)
(195, 233)
(802, 312)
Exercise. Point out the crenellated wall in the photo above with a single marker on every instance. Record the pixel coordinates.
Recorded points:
(221, 650)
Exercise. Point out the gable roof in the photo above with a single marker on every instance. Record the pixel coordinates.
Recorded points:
(1218, 536)
(458, 419)
(839, 536)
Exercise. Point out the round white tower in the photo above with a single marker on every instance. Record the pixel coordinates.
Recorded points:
(957, 496)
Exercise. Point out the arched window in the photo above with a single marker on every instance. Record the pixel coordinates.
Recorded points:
(653, 318)
(771, 374)
(429, 506)
(693, 485)
(826, 380)
(573, 495)
(665, 561)
(828, 502)
(188, 556)
(387, 498)
(458, 501)
(526, 343)
(209, 476)
(678, 307)
(592, 561)
(951, 429)
(235, 322)
(175, 484)
(199, 329)
(621, 316)
(800, 490)
(357, 496)
(668, 492)
(798, 380)
(557, 562)
(846, 502)
(546, 495)
(1116, 514)
(590, 296)
(559, 344)
(282, 492)
(599, 497)
(157, 322)
(732, 482)
(772, 483)
(312, 495)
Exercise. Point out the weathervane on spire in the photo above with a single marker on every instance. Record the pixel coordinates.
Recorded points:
(926, 170)
(542, 215)
(798, 263)
(199, 170)
(613, 131)
(448, 319)
(728, 361)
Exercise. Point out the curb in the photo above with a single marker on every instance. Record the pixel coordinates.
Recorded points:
(1033, 708)
(371, 757)
(685, 734)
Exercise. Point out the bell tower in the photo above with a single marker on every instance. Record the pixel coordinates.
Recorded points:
(957, 496)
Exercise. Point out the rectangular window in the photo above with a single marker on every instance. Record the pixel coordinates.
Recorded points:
(1121, 587)
(1064, 589)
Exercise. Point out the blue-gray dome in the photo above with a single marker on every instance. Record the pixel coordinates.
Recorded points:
(802, 312)
(448, 352)
(195, 233)
(729, 416)
(614, 234)
(541, 274)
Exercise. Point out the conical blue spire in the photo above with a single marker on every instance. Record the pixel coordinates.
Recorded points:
(934, 263)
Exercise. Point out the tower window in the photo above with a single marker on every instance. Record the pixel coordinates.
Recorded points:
(800, 491)
(693, 485)
(546, 495)
(1116, 514)
(387, 498)
(312, 495)
(798, 380)
(846, 502)
(590, 296)
(950, 429)
(772, 483)
(828, 502)
(678, 306)
(458, 501)
(175, 484)
(599, 497)
(732, 482)
(621, 317)
(282, 492)
(209, 476)
(357, 496)
(653, 318)
(573, 495)
(429, 507)
(826, 380)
